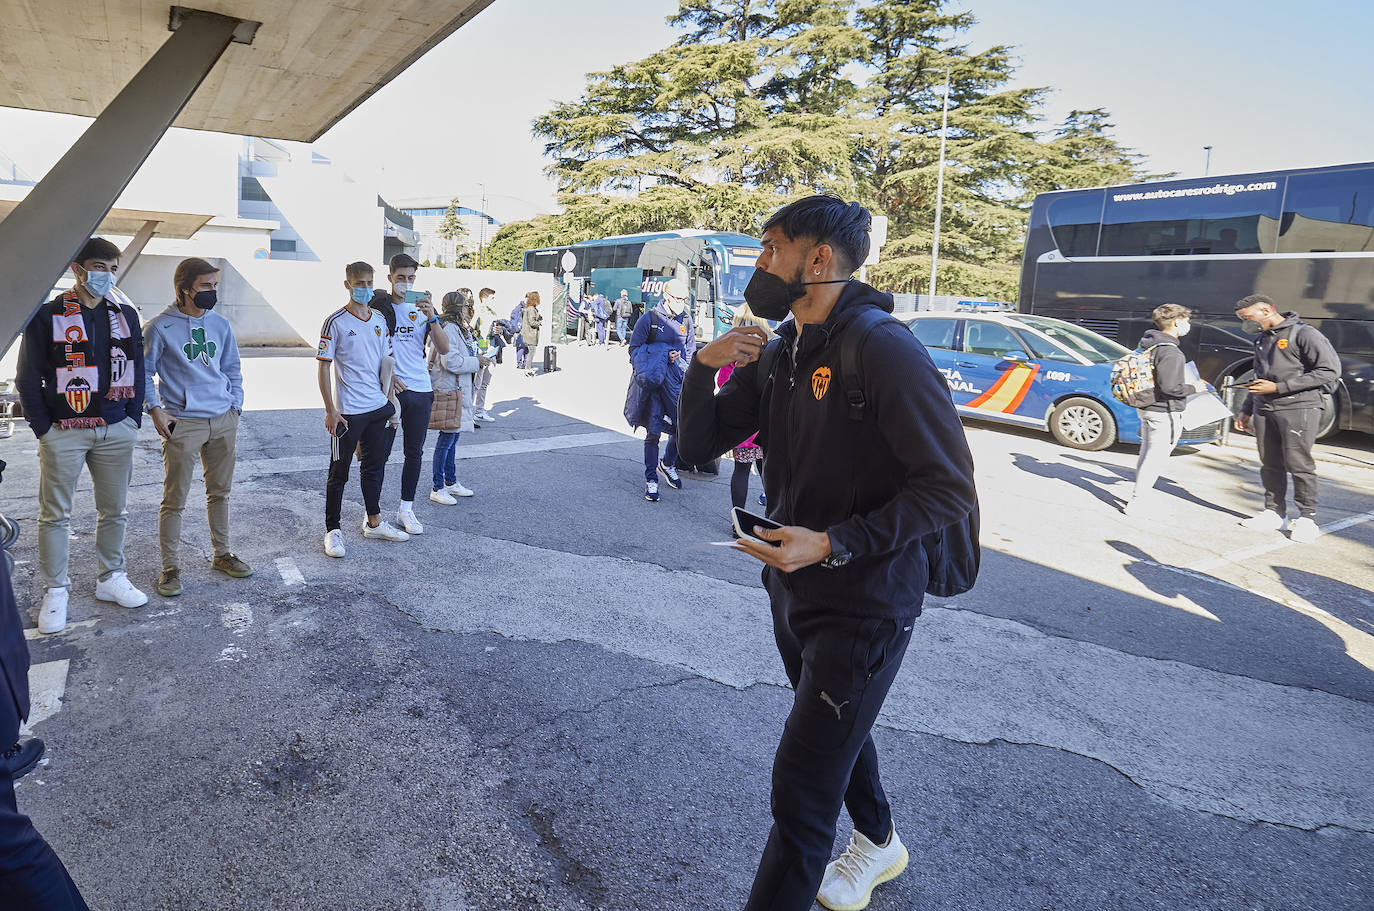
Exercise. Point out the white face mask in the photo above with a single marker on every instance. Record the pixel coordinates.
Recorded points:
(402, 288)
(1183, 329)
(674, 306)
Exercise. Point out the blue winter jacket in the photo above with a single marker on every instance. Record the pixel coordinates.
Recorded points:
(656, 381)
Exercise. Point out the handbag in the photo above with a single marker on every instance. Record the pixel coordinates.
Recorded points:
(447, 413)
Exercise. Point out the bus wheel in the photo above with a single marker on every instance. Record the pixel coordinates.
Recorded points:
(1081, 423)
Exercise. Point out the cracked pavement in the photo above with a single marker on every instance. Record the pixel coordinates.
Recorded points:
(561, 697)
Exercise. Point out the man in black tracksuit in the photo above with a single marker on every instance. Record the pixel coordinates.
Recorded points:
(855, 498)
(1293, 361)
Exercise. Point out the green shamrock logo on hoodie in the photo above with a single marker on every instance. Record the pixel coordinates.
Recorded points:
(199, 346)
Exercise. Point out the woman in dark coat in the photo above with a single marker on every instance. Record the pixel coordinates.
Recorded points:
(660, 347)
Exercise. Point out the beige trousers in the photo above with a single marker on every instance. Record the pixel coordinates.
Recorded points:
(212, 441)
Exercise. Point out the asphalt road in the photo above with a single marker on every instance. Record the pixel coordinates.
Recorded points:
(561, 697)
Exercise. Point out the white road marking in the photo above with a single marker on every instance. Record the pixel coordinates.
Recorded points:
(262, 467)
(1258, 550)
(47, 686)
(290, 573)
(31, 633)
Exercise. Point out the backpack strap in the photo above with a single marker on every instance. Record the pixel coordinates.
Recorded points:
(851, 361)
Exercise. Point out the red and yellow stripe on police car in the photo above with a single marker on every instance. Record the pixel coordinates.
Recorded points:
(1006, 395)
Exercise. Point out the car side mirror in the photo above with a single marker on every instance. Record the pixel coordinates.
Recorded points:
(1016, 357)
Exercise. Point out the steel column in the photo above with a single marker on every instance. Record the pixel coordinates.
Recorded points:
(47, 229)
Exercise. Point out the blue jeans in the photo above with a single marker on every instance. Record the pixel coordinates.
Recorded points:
(445, 449)
(621, 327)
(651, 455)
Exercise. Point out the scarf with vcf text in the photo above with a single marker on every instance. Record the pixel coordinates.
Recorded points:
(75, 361)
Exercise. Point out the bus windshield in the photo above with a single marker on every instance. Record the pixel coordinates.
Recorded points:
(1080, 341)
(739, 269)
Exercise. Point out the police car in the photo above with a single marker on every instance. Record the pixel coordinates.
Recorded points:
(1034, 371)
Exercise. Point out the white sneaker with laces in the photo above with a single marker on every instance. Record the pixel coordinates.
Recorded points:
(384, 531)
(1265, 521)
(1303, 530)
(850, 878)
(456, 489)
(485, 417)
(117, 588)
(407, 522)
(333, 543)
(442, 497)
(52, 616)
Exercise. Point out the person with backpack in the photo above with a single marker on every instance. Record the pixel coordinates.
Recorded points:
(515, 325)
(1294, 363)
(1161, 418)
(660, 346)
(871, 478)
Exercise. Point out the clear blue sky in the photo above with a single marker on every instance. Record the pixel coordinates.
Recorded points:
(1267, 84)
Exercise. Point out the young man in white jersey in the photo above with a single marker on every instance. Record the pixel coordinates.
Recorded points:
(411, 325)
(355, 341)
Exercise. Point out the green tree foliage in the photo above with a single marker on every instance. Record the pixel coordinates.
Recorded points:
(452, 227)
(762, 101)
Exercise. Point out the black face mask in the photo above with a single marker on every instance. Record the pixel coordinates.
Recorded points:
(770, 297)
(205, 300)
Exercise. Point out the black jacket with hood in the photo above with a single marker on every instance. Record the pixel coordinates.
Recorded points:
(1171, 387)
(1299, 360)
(877, 486)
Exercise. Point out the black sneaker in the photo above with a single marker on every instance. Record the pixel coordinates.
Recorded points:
(20, 759)
(670, 475)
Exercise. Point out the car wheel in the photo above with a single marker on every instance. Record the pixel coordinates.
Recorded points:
(1085, 424)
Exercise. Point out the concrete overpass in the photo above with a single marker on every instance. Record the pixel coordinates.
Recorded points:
(281, 69)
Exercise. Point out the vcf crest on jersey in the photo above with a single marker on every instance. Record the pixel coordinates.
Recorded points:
(76, 384)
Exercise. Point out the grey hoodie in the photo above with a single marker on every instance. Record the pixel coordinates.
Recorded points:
(196, 361)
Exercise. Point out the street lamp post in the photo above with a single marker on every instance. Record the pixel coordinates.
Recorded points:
(939, 193)
(1207, 162)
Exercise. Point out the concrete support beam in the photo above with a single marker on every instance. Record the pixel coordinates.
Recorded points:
(44, 232)
(131, 252)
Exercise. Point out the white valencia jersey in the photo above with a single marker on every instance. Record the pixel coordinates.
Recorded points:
(356, 348)
(408, 346)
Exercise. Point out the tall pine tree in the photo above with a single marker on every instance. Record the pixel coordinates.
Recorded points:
(762, 101)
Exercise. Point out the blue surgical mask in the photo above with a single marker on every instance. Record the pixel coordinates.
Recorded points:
(362, 295)
(99, 284)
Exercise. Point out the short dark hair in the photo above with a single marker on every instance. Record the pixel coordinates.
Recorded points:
(358, 270)
(403, 261)
(97, 248)
(1251, 299)
(188, 270)
(827, 219)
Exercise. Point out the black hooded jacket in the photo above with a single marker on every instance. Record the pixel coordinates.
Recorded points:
(877, 486)
(1171, 387)
(1299, 360)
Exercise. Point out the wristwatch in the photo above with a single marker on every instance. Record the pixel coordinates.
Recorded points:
(836, 560)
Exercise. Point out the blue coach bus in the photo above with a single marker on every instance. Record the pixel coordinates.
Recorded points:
(716, 266)
(1104, 258)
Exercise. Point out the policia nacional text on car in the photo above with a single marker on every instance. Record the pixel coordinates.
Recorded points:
(848, 577)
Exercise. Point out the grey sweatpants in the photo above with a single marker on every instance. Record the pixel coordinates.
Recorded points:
(1159, 434)
(108, 453)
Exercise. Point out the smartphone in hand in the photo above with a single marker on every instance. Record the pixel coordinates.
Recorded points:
(745, 522)
(414, 297)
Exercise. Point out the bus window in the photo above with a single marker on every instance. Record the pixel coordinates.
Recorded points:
(1075, 221)
(1329, 212)
(1243, 222)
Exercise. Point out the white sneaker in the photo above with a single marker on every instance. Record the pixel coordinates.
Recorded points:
(1265, 521)
(52, 616)
(119, 589)
(442, 496)
(850, 878)
(1303, 530)
(456, 489)
(407, 522)
(384, 531)
(485, 417)
(333, 543)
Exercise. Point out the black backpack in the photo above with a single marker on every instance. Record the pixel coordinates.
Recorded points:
(952, 553)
